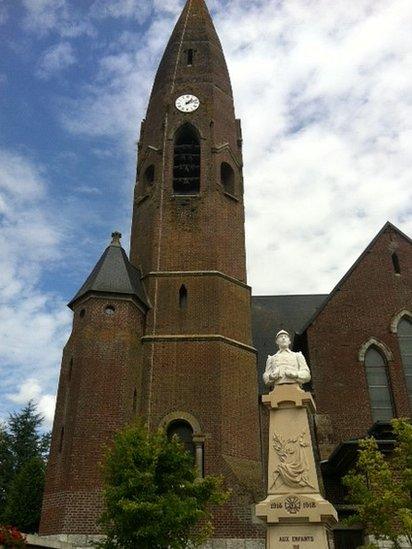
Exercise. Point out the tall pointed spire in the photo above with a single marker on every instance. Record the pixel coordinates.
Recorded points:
(194, 32)
(193, 69)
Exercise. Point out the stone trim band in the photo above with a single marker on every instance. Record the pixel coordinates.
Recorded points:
(199, 337)
(198, 273)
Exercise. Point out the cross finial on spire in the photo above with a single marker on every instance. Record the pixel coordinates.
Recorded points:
(116, 236)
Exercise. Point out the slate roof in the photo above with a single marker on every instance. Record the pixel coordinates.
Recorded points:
(273, 313)
(114, 274)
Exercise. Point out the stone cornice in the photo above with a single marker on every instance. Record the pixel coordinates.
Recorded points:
(198, 337)
(198, 273)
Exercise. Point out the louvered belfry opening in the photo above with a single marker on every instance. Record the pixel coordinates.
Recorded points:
(186, 166)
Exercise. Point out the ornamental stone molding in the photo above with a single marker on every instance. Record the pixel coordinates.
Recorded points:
(373, 342)
(398, 317)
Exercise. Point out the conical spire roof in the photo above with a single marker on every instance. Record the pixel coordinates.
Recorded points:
(194, 30)
(114, 274)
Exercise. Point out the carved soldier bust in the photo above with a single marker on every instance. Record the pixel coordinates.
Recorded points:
(286, 366)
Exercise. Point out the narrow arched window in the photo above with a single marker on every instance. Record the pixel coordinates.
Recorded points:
(227, 177)
(70, 369)
(378, 385)
(183, 430)
(405, 344)
(135, 401)
(396, 264)
(190, 56)
(183, 297)
(148, 177)
(61, 441)
(186, 161)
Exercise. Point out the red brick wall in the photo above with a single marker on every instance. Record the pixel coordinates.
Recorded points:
(210, 380)
(93, 402)
(362, 308)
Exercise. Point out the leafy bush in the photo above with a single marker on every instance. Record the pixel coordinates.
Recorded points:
(154, 497)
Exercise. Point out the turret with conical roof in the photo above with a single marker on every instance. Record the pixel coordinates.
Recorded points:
(99, 390)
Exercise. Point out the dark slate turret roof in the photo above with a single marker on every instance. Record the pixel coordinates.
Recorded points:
(114, 274)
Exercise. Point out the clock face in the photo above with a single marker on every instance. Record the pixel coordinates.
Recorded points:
(187, 103)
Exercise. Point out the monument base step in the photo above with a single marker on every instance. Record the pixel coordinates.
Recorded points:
(73, 541)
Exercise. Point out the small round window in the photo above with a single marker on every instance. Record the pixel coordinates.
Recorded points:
(109, 310)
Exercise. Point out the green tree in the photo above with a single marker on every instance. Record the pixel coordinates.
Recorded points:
(25, 496)
(21, 440)
(154, 497)
(381, 488)
(6, 465)
(24, 435)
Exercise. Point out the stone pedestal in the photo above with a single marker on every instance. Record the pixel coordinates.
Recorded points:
(297, 516)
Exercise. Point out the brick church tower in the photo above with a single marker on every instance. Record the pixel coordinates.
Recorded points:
(188, 239)
(168, 334)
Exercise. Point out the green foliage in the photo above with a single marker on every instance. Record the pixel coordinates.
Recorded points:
(381, 488)
(153, 496)
(25, 497)
(25, 439)
(20, 442)
(6, 465)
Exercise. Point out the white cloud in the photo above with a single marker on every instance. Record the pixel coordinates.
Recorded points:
(45, 16)
(28, 390)
(56, 59)
(46, 406)
(114, 103)
(33, 324)
(326, 106)
(31, 390)
(135, 9)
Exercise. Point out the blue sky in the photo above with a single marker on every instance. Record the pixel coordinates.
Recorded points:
(325, 98)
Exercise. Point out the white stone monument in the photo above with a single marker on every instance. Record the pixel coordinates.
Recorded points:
(297, 516)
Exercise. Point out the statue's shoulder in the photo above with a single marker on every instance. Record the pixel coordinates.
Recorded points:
(301, 357)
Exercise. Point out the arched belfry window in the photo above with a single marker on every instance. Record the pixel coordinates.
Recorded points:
(405, 344)
(227, 177)
(186, 161)
(378, 385)
(183, 430)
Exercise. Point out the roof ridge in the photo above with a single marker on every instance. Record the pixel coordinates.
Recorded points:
(336, 288)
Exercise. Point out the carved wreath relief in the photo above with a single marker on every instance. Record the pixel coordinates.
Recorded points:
(293, 467)
(292, 505)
